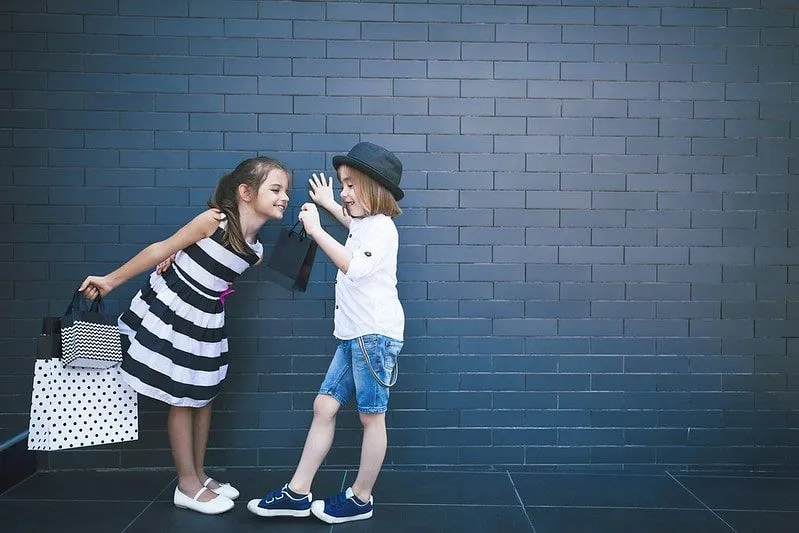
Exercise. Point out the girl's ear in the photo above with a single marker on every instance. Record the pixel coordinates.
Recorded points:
(245, 192)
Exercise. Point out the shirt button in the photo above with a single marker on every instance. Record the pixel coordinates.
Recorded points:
(350, 234)
(336, 307)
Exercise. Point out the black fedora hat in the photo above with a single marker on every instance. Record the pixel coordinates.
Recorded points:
(376, 162)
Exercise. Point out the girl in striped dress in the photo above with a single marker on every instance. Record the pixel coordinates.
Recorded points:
(174, 342)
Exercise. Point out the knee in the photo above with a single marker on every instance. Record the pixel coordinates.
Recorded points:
(373, 420)
(325, 407)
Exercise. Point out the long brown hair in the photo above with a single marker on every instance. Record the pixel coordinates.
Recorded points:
(252, 173)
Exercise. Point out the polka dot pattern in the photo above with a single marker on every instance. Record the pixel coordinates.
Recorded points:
(75, 407)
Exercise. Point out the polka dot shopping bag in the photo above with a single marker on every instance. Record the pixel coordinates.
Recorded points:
(74, 407)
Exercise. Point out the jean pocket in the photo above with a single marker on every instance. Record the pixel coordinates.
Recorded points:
(380, 356)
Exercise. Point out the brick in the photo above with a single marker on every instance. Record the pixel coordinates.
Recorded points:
(619, 237)
(528, 33)
(607, 273)
(526, 107)
(460, 32)
(560, 52)
(661, 35)
(692, 54)
(493, 236)
(393, 31)
(426, 50)
(526, 217)
(593, 71)
(191, 27)
(525, 254)
(594, 34)
(560, 15)
(425, 13)
(693, 17)
(620, 163)
(538, 181)
(495, 14)
(637, 53)
(559, 89)
(592, 218)
(521, 70)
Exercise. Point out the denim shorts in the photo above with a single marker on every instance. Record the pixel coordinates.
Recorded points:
(349, 372)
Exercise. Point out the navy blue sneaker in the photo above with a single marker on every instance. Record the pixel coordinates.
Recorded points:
(341, 508)
(279, 503)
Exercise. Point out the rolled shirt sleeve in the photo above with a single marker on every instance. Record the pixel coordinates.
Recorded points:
(372, 246)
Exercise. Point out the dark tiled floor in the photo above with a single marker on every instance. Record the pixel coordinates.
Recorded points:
(419, 502)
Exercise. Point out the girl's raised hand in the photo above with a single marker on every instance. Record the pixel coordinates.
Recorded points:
(321, 189)
(309, 216)
(94, 286)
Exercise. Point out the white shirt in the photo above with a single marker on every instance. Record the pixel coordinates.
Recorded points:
(366, 296)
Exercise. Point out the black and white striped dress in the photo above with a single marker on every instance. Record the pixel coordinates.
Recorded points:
(174, 342)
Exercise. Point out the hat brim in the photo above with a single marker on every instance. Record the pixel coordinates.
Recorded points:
(370, 171)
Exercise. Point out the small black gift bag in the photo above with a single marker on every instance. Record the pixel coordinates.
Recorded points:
(48, 344)
(291, 259)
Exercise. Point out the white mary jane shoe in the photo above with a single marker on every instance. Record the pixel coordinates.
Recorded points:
(224, 489)
(218, 505)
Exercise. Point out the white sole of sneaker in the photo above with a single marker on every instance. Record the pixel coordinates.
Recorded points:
(252, 506)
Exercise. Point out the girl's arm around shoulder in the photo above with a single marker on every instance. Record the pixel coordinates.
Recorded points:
(203, 225)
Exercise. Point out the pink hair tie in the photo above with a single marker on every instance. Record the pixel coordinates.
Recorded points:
(225, 293)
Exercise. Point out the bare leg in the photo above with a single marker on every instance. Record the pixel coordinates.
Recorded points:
(317, 443)
(179, 426)
(373, 452)
(202, 425)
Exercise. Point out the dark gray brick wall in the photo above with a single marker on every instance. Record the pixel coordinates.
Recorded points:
(599, 248)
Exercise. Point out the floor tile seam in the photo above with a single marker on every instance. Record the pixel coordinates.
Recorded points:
(448, 504)
(722, 476)
(17, 485)
(519, 499)
(151, 502)
(621, 507)
(74, 500)
(689, 491)
(592, 474)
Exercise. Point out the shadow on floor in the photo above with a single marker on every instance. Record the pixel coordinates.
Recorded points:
(136, 501)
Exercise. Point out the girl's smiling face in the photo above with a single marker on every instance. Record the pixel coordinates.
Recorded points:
(273, 197)
(351, 197)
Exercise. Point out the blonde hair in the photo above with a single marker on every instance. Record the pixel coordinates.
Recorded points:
(252, 173)
(376, 198)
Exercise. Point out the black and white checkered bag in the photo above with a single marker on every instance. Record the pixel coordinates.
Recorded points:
(89, 338)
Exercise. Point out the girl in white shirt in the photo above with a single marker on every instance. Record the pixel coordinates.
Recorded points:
(369, 324)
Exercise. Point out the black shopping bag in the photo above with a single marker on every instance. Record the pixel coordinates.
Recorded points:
(48, 344)
(291, 259)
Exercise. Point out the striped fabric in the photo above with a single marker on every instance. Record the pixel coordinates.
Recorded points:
(174, 343)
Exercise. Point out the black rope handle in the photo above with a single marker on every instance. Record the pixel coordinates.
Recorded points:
(301, 233)
(97, 305)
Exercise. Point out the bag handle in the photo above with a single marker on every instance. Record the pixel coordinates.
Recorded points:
(78, 304)
(301, 233)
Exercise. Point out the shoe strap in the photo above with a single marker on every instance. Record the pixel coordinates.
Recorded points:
(207, 481)
(199, 492)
